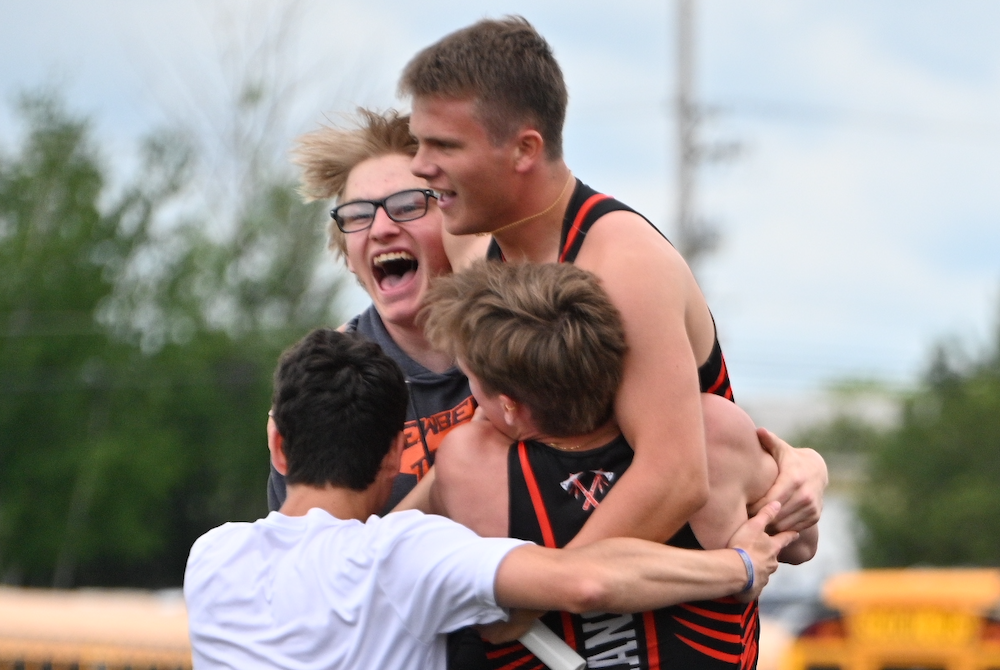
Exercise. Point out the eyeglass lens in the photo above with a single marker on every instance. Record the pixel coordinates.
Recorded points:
(401, 207)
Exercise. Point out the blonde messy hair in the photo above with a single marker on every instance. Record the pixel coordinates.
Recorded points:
(547, 335)
(328, 155)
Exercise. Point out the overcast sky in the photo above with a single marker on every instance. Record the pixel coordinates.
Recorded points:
(861, 221)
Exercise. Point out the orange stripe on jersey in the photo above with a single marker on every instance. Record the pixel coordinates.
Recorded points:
(748, 613)
(652, 641)
(510, 648)
(521, 661)
(433, 429)
(578, 222)
(569, 633)
(708, 651)
(536, 496)
(718, 616)
(718, 635)
(749, 656)
(723, 373)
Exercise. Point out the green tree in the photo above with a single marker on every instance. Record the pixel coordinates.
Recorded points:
(135, 357)
(930, 493)
(63, 377)
(933, 496)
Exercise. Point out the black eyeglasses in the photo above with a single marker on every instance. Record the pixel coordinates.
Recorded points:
(353, 217)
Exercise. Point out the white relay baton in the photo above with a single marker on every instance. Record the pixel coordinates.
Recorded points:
(550, 649)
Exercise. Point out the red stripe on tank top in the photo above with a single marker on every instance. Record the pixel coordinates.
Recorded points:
(721, 378)
(536, 497)
(578, 222)
(708, 651)
(569, 634)
(503, 651)
(718, 616)
(520, 662)
(718, 635)
(652, 641)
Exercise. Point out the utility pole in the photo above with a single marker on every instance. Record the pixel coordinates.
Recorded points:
(687, 122)
(694, 236)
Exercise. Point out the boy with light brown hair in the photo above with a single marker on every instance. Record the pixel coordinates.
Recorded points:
(543, 348)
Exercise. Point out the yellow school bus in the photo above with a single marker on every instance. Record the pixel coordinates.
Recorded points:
(90, 630)
(912, 619)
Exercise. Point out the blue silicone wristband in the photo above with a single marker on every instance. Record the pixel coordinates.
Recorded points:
(748, 564)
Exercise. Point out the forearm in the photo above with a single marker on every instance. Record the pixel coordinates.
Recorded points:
(616, 575)
(419, 497)
(651, 576)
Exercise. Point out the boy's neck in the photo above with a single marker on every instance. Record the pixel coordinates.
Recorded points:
(585, 442)
(340, 502)
(536, 239)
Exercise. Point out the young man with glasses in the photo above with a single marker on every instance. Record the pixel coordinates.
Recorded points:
(387, 228)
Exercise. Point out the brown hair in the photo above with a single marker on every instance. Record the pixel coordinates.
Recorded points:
(546, 335)
(328, 155)
(507, 67)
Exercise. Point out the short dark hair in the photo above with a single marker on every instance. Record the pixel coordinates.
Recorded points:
(339, 402)
(547, 335)
(506, 67)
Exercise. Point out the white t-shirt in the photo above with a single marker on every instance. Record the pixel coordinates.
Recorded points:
(316, 592)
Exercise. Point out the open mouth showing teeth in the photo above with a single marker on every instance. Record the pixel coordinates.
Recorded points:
(392, 268)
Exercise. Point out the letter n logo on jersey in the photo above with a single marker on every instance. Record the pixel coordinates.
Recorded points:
(600, 483)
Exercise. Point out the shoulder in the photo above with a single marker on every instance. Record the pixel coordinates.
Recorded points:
(219, 549)
(625, 234)
(424, 540)
(638, 267)
(470, 445)
(217, 540)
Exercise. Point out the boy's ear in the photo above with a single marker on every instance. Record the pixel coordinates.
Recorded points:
(512, 410)
(276, 445)
(529, 149)
(392, 459)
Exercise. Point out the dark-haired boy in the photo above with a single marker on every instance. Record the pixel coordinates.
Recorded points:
(542, 346)
(325, 583)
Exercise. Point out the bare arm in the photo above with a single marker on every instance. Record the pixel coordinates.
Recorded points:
(740, 472)
(471, 478)
(629, 575)
(420, 496)
(658, 405)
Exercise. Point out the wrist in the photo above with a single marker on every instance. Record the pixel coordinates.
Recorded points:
(748, 565)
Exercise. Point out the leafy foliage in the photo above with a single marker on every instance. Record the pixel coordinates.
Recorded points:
(931, 495)
(135, 359)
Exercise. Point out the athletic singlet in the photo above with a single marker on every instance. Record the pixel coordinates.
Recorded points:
(552, 493)
(587, 206)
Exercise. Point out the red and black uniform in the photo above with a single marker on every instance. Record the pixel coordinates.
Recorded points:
(552, 493)
(585, 208)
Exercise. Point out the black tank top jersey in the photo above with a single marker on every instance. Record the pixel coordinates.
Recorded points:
(587, 206)
(552, 494)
